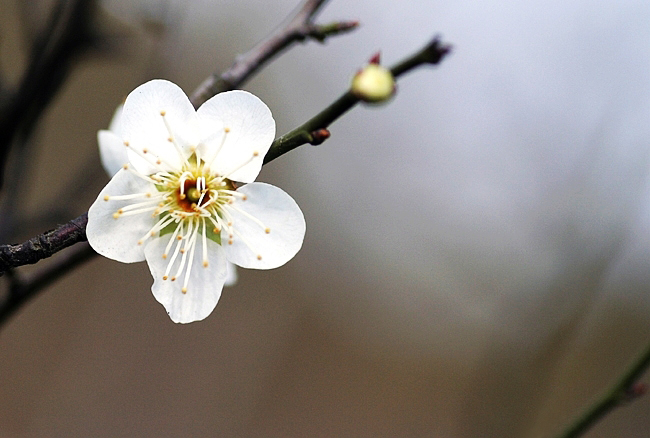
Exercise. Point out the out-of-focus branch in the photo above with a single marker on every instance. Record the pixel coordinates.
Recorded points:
(626, 389)
(21, 290)
(68, 34)
(44, 245)
(299, 28)
(314, 131)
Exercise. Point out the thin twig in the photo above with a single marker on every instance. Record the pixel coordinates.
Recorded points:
(299, 28)
(624, 390)
(21, 290)
(312, 130)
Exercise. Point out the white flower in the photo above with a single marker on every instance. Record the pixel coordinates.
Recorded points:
(186, 201)
(113, 156)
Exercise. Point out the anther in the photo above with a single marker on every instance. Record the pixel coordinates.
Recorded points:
(145, 150)
(163, 112)
(267, 231)
(205, 263)
(126, 143)
(230, 242)
(139, 242)
(164, 256)
(165, 277)
(106, 198)
(259, 257)
(184, 290)
(226, 129)
(173, 278)
(169, 139)
(116, 215)
(125, 166)
(255, 153)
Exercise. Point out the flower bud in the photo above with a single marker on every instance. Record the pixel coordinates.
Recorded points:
(373, 83)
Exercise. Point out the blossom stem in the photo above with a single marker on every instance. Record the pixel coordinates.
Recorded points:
(624, 390)
(430, 54)
(298, 28)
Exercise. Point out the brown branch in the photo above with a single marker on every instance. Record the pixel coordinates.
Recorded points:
(299, 28)
(44, 245)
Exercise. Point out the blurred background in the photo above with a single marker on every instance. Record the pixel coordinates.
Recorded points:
(477, 257)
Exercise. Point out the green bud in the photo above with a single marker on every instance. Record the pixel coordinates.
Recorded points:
(373, 83)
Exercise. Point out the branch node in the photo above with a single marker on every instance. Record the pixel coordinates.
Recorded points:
(319, 136)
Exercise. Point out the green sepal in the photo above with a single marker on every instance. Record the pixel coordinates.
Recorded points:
(210, 234)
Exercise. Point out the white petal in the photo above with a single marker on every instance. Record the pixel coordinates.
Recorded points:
(275, 210)
(117, 239)
(250, 129)
(111, 151)
(231, 274)
(143, 126)
(116, 121)
(204, 286)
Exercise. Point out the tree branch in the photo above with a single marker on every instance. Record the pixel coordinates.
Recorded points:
(299, 28)
(312, 130)
(624, 390)
(44, 245)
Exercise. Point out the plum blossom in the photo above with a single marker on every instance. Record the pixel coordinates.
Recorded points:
(184, 198)
(113, 156)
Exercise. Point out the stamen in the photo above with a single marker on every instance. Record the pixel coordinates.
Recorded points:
(248, 244)
(190, 260)
(172, 239)
(179, 150)
(204, 242)
(131, 196)
(179, 242)
(216, 152)
(266, 229)
(255, 155)
(162, 223)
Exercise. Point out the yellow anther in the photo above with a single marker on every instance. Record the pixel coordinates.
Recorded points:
(106, 198)
(226, 129)
(165, 277)
(267, 231)
(116, 215)
(184, 290)
(163, 112)
(259, 257)
(255, 153)
(205, 263)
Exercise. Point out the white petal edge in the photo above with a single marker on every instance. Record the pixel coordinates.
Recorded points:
(112, 151)
(143, 126)
(277, 211)
(204, 286)
(250, 130)
(231, 274)
(117, 239)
